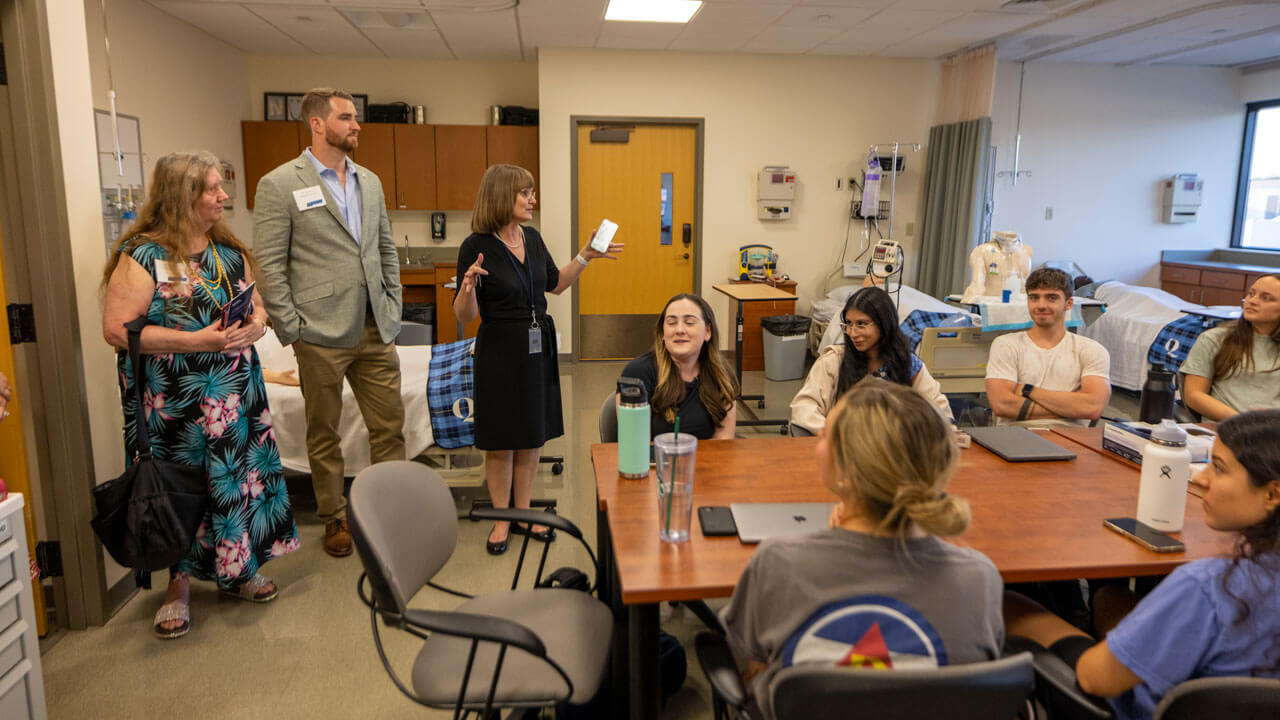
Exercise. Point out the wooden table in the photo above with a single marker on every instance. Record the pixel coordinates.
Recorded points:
(745, 293)
(1036, 521)
(1091, 437)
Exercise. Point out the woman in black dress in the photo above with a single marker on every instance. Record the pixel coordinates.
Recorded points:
(517, 381)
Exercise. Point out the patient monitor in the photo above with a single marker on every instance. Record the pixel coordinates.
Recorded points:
(1000, 264)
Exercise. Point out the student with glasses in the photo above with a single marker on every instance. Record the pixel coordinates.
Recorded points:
(872, 344)
(509, 271)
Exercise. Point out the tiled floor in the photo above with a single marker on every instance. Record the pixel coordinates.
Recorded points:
(309, 654)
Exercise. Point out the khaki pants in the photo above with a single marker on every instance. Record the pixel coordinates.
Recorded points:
(373, 369)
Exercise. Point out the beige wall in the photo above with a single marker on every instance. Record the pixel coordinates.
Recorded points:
(1098, 140)
(817, 115)
(188, 89)
(454, 93)
(1260, 86)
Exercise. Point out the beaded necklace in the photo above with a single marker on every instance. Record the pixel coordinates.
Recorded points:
(222, 277)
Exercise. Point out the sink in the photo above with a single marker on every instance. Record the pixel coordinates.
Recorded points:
(416, 265)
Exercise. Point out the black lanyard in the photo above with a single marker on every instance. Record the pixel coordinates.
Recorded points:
(525, 284)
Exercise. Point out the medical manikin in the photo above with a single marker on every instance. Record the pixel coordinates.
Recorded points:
(1000, 264)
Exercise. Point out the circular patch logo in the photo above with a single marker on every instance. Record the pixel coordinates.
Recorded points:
(869, 631)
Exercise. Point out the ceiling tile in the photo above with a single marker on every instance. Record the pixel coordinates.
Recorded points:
(755, 14)
(480, 36)
(957, 5)
(824, 16)
(713, 38)
(638, 35)
(775, 39)
(322, 30)
(568, 10)
(235, 26)
(548, 32)
(410, 44)
(1239, 52)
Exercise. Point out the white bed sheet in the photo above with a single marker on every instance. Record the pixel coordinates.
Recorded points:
(909, 299)
(289, 416)
(1134, 317)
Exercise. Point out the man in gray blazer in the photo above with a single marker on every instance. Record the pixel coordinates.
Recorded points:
(330, 279)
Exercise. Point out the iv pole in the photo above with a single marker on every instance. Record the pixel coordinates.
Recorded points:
(893, 180)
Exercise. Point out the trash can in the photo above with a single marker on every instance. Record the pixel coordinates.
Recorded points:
(417, 326)
(785, 346)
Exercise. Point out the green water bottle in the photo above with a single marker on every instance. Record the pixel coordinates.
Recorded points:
(633, 428)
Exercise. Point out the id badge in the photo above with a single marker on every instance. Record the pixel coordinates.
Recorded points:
(535, 341)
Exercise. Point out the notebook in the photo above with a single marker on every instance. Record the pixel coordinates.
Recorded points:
(1018, 444)
(758, 521)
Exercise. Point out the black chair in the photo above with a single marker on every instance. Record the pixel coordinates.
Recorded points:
(1224, 697)
(977, 691)
(515, 649)
(1056, 689)
(609, 419)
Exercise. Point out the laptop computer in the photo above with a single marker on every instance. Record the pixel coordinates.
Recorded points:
(758, 521)
(1018, 444)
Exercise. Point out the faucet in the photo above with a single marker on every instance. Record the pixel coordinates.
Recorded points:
(407, 259)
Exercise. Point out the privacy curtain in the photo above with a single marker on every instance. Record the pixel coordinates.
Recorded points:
(955, 170)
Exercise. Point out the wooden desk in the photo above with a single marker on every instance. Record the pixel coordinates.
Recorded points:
(752, 312)
(1036, 521)
(748, 293)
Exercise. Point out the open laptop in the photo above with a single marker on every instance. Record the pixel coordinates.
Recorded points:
(1018, 444)
(758, 521)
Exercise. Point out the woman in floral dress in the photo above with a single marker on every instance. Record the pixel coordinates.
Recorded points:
(205, 399)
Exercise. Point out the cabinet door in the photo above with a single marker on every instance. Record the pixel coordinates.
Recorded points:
(1218, 296)
(416, 167)
(460, 163)
(514, 145)
(1222, 279)
(1190, 293)
(377, 151)
(446, 321)
(267, 145)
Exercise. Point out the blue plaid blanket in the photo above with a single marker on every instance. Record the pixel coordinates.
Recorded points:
(450, 394)
(919, 320)
(1175, 340)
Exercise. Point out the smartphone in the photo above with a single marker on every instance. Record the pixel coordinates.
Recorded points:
(717, 521)
(1145, 535)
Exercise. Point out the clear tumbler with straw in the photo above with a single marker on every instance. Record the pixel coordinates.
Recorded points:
(675, 455)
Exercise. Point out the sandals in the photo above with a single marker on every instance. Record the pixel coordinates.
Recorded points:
(176, 610)
(253, 590)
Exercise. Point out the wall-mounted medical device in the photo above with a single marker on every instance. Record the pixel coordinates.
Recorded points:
(775, 192)
(1180, 198)
(886, 259)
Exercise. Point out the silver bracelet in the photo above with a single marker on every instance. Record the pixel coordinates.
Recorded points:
(581, 260)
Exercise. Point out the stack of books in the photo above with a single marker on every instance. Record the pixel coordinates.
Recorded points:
(1127, 439)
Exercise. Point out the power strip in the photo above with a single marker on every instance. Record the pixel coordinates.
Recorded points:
(854, 270)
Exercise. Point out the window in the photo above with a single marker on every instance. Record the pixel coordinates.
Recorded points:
(1257, 218)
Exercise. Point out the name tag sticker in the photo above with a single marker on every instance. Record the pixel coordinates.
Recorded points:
(308, 198)
(169, 272)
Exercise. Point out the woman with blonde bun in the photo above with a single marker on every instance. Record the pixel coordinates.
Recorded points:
(879, 589)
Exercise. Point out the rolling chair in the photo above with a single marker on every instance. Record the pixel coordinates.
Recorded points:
(609, 419)
(515, 649)
(976, 691)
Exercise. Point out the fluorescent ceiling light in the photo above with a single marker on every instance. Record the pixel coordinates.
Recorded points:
(667, 11)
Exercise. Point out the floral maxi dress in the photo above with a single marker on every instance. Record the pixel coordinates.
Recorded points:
(210, 409)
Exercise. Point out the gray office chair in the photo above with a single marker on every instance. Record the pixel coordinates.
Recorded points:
(524, 648)
(977, 691)
(1226, 697)
(797, 431)
(609, 419)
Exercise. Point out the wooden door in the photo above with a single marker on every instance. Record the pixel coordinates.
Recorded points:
(13, 449)
(514, 145)
(619, 301)
(460, 163)
(267, 145)
(416, 166)
(377, 152)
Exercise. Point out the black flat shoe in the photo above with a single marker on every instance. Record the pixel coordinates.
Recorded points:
(495, 548)
(546, 535)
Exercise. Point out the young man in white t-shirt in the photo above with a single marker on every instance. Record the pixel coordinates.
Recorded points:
(1045, 375)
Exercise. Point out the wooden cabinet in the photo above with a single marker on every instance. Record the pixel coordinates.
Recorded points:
(752, 333)
(377, 152)
(415, 175)
(460, 163)
(418, 285)
(1216, 284)
(446, 321)
(268, 145)
(514, 145)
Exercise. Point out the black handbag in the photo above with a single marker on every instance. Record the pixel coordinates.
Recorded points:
(148, 517)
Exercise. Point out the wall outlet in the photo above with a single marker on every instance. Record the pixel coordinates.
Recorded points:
(1048, 213)
(911, 228)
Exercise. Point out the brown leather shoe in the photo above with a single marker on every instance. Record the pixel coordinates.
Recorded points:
(337, 539)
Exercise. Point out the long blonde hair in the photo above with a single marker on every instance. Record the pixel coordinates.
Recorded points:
(497, 197)
(717, 387)
(169, 217)
(895, 455)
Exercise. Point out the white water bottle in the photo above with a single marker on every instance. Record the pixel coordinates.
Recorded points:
(1166, 470)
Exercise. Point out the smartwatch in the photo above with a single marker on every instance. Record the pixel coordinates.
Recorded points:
(1026, 390)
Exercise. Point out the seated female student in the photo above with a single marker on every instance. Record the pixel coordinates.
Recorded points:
(1233, 367)
(1209, 618)
(872, 345)
(685, 374)
(879, 588)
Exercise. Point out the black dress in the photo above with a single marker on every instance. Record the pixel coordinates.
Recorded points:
(517, 393)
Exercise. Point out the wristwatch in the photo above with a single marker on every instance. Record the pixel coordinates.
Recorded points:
(1026, 390)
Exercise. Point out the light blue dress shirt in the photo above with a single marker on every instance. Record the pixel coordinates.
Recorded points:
(347, 199)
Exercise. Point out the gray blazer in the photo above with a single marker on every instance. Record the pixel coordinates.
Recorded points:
(315, 278)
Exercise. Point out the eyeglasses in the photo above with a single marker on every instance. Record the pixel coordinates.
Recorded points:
(861, 325)
(528, 194)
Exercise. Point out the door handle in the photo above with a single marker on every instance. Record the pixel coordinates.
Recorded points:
(686, 256)
(686, 234)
